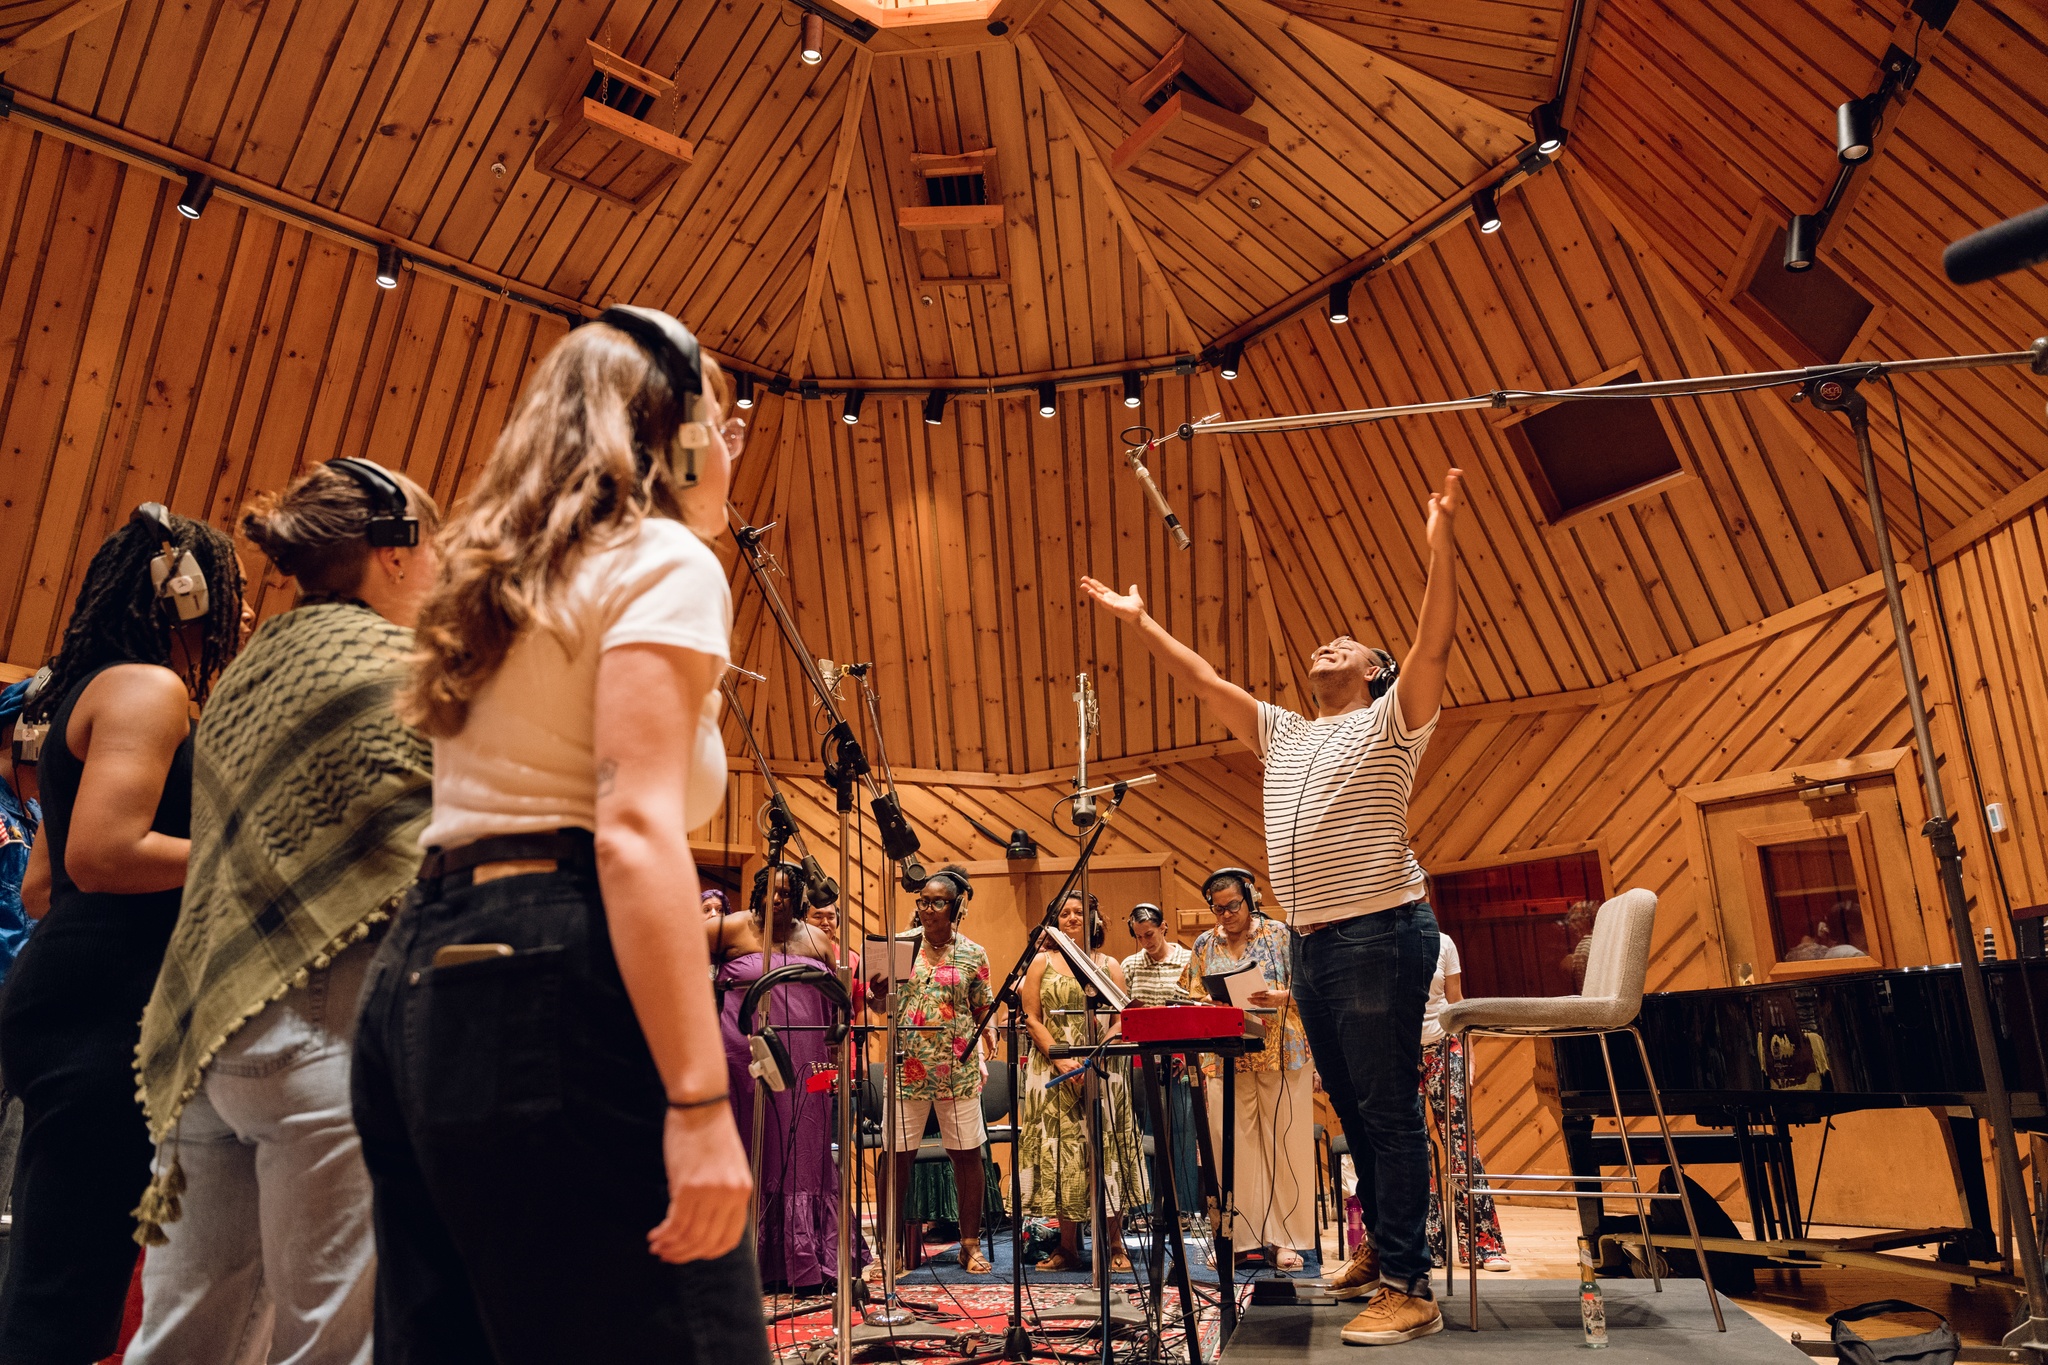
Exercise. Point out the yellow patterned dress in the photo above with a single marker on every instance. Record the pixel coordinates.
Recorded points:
(1053, 1147)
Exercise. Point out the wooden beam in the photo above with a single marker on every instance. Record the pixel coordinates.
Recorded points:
(1091, 161)
(834, 211)
(55, 29)
(1963, 534)
(1177, 316)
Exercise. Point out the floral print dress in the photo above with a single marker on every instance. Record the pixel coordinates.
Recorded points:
(948, 991)
(1053, 1131)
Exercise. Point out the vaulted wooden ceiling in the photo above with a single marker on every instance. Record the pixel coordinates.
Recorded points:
(147, 356)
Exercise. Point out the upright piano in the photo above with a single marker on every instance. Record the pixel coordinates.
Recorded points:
(1751, 1061)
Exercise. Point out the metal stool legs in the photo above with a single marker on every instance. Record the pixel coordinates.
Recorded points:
(1463, 1178)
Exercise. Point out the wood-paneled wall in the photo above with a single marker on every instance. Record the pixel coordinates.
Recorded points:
(1693, 129)
(1556, 298)
(951, 555)
(142, 357)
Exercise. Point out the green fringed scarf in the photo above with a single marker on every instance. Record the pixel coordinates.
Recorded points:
(308, 799)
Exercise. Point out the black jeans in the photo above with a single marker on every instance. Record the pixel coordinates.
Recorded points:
(1361, 985)
(511, 1118)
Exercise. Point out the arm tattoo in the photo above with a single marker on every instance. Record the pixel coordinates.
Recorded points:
(607, 776)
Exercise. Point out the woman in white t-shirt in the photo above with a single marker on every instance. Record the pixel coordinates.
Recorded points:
(538, 1076)
(1443, 1069)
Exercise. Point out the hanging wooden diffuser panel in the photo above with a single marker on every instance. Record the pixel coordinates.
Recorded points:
(602, 141)
(1193, 131)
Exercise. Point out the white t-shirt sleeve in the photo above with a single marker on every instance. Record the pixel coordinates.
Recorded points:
(1404, 734)
(1271, 718)
(669, 589)
(1447, 963)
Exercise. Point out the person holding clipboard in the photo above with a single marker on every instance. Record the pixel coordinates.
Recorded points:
(1244, 961)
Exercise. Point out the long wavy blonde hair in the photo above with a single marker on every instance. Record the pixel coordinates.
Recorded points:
(565, 477)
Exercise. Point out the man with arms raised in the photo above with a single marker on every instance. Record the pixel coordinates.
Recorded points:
(1364, 941)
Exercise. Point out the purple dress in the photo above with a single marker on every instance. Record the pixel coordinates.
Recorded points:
(799, 1182)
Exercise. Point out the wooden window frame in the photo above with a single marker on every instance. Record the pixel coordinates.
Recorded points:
(580, 113)
(1869, 891)
(1538, 482)
(918, 220)
(1897, 764)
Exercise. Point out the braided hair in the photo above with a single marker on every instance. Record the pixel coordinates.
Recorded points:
(117, 618)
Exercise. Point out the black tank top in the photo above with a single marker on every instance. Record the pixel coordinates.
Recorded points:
(59, 772)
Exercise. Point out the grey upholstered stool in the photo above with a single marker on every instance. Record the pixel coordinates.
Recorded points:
(1608, 1003)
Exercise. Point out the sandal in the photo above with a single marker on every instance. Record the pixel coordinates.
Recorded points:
(1059, 1260)
(1120, 1263)
(1286, 1258)
(971, 1259)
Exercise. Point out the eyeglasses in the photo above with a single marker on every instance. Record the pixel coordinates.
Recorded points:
(1230, 908)
(935, 902)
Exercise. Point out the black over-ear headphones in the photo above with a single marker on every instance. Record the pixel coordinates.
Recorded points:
(175, 573)
(962, 891)
(391, 520)
(682, 364)
(1247, 884)
(770, 1054)
(1382, 682)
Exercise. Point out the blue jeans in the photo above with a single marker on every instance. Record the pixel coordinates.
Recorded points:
(1361, 985)
(273, 1258)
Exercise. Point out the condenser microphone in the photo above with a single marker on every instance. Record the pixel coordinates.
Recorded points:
(2015, 244)
(830, 673)
(914, 875)
(823, 890)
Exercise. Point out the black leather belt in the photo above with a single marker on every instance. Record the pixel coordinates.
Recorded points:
(567, 847)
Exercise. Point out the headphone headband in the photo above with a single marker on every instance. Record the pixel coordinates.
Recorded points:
(1145, 912)
(391, 520)
(1247, 882)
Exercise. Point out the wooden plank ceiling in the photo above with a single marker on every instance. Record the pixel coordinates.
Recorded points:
(147, 356)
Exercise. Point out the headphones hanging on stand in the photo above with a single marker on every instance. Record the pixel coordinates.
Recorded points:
(681, 363)
(392, 524)
(174, 572)
(770, 1054)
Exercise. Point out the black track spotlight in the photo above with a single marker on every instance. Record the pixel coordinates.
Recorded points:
(1486, 210)
(811, 50)
(198, 189)
(1854, 131)
(387, 266)
(1340, 301)
(1546, 122)
(1802, 237)
(935, 407)
(1233, 360)
(1048, 399)
(850, 412)
(1134, 389)
(743, 390)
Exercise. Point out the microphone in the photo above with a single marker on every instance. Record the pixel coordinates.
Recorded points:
(831, 673)
(1135, 455)
(2015, 244)
(824, 891)
(1088, 721)
(914, 876)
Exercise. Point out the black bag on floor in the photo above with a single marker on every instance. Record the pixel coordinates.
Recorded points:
(1733, 1274)
(1938, 1347)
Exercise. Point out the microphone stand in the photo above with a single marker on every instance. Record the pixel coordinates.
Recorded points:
(1833, 388)
(1017, 1344)
(882, 1321)
(845, 766)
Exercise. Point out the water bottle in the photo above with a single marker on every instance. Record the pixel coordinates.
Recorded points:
(1354, 1223)
(1592, 1308)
